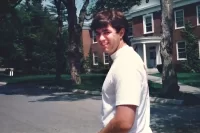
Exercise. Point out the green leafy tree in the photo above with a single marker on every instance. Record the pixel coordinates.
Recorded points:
(192, 64)
(28, 33)
(7, 6)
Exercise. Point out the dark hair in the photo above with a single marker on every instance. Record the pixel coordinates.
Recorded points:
(112, 17)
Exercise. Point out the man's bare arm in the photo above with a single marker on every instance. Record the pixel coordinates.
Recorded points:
(122, 121)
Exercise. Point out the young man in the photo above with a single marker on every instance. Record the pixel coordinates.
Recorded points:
(125, 93)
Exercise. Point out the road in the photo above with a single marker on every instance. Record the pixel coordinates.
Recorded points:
(62, 112)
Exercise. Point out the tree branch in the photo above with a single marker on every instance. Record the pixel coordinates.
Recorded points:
(16, 4)
(83, 12)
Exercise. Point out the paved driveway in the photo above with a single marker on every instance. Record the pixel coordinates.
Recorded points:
(31, 110)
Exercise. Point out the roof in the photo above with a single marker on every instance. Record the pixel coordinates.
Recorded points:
(146, 8)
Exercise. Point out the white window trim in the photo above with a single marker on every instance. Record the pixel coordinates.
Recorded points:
(144, 23)
(177, 51)
(104, 59)
(93, 35)
(198, 21)
(175, 19)
(199, 48)
(94, 63)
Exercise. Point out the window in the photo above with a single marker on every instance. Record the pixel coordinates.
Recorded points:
(179, 19)
(94, 37)
(181, 50)
(106, 58)
(95, 58)
(130, 28)
(198, 15)
(148, 24)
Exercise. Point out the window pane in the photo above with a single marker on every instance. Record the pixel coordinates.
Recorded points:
(106, 58)
(148, 19)
(179, 14)
(198, 8)
(96, 60)
(181, 50)
(179, 23)
(148, 29)
(130, 29)
(149, 24)
(179, 19)
(181, 45)
(182, 55)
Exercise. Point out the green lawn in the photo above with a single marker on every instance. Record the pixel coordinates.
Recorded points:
(192, 79)
(89, 81)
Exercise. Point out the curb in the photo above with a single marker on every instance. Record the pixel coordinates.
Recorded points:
(152, 99)
(96, 93)
(3, 83)
(166, 101)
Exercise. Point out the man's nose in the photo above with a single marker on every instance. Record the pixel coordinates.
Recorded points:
(101, 37)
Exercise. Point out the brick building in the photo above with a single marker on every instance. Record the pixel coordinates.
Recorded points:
(145, 31)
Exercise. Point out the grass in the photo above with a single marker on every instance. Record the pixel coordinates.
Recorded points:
(89, 81)
(154, 88)
(192, 79)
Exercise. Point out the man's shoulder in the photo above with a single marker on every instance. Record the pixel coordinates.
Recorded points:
(130, 57)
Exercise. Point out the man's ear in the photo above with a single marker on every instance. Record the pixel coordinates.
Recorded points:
(122, 32)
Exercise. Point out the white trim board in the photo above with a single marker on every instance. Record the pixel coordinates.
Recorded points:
(198, 21)
(156, 7)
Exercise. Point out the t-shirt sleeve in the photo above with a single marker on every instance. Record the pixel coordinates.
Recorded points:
(128, 81)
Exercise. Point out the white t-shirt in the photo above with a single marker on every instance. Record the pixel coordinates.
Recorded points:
(126, 83)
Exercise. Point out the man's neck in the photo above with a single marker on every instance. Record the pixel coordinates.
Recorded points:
(119, 49)
(122, 44)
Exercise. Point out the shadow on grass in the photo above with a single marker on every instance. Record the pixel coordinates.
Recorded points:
(175, 119)
(46, 87)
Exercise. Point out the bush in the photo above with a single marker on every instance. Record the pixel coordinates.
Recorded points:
(192, 63)
(102, 71)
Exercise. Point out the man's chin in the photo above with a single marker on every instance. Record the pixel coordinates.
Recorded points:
(106, 51)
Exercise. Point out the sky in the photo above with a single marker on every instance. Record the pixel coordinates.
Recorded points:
(79, 4)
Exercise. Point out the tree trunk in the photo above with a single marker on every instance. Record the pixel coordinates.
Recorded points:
(74, 52)
(170, 86)
(59, 43)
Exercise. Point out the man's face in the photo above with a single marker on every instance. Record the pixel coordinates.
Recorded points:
(108, 39)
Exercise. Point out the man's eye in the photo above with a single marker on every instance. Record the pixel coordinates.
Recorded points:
(106, 32)
(97, 34)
